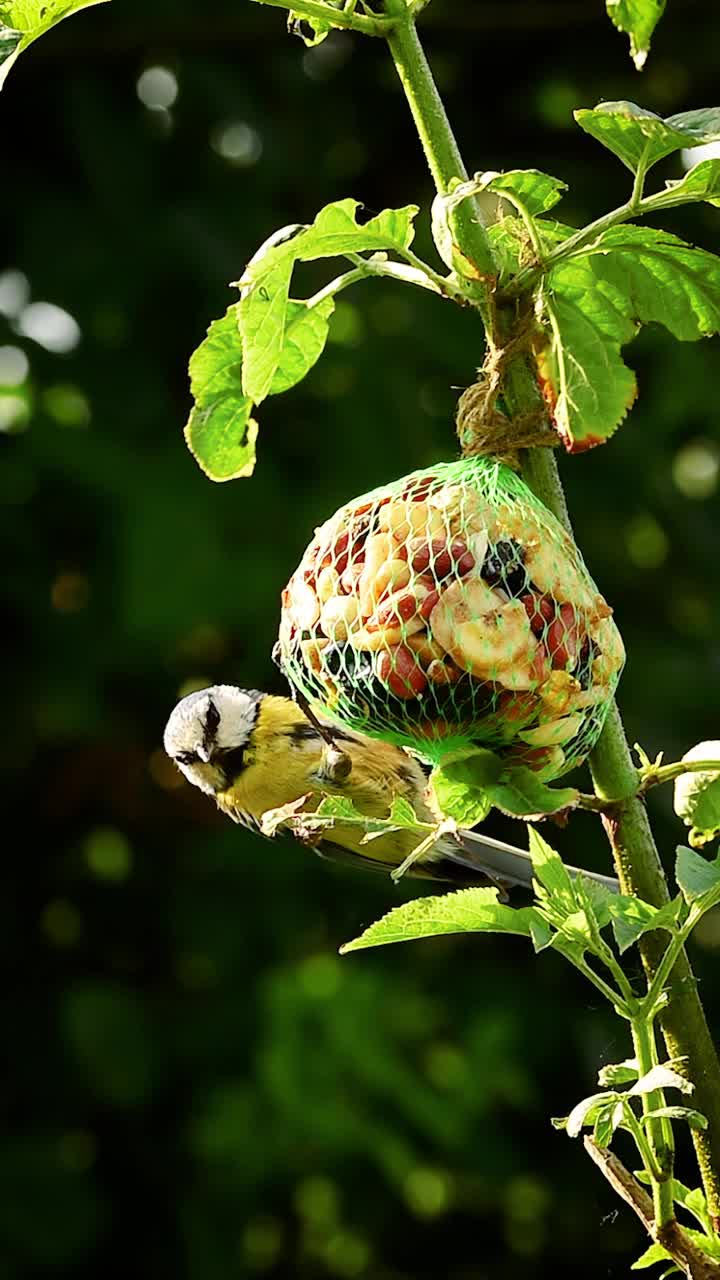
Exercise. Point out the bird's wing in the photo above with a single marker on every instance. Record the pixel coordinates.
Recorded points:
(504, 862)
(469, 859)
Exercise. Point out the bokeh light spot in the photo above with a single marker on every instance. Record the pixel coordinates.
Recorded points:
(646, 542)
(67, 405)
(108, 854)
(427, 1191)
(14, 366)
(261, 1243)
(157, 88)
(50, 326)
(316, 1200)
(237, 143)
(14, 293)
(14, 413)
(695, 469)
(76, 1150)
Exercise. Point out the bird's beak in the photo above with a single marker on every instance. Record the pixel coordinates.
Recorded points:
(203, 753)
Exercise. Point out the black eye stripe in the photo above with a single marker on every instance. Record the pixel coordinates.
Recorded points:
(211, 726)
(187, 757)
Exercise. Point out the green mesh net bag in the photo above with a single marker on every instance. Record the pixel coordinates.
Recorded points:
(450, 609)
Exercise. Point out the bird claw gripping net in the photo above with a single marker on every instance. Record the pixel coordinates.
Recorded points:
(451, 609)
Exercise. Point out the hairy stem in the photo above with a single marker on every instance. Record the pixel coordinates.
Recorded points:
(683, 1021)
(435, 133)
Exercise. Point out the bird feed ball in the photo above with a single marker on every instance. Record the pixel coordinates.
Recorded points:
(451, 609)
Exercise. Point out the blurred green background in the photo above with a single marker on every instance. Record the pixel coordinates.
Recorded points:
(195, 1085)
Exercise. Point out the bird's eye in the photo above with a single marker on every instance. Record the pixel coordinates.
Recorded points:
(187, 757)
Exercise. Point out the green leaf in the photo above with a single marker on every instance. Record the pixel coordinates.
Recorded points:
(311, 31)
(696, 796)
(702, 182)
(631, 918)
(467, 911)
(586, 1112)
(638, 136)
(461, 786)
(466, 789)
(698, 878)
(550, 870)
(22, 21)
(520, 792)
(618, 1072)
(537, 192)
(266, 282)
(220, 432)
(512, 247)
(695, 1119)
(638, 19)
(655, 1253)
(607, 1120)
(594, 304)
(661, 1077)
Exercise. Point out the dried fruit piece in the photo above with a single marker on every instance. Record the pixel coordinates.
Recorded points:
(399, 669)
(339, 616)
(553, 732)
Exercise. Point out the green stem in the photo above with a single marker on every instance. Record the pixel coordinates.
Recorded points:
(683, 1021)
(668, 772)
(436, 135)
(639, 869)
(659, 1129)
(315, 10)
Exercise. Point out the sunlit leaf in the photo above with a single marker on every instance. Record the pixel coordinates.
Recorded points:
(696, 797)
(637, 136)
(594, 303)
(695, 1119)
(220, 431)
(661, 1077)
(698, 878)
(631, 918)
(702, 182)
(461, 786)
(586, 1112)
(618, 1072)
(467, 911)
(655, 1253)
(638, 19)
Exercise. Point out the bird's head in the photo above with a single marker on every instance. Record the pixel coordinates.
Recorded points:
(208, 733)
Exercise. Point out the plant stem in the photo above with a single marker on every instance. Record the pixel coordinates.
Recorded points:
(659, 1129)
(639, 868)
(316, 10)
(436, 135)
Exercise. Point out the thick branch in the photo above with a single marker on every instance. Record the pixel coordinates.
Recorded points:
(681, 1248)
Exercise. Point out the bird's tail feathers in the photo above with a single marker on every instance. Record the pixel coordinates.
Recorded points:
(504, 863)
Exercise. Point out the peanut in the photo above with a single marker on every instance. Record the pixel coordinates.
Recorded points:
(338, 617)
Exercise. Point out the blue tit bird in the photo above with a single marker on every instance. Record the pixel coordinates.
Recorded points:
(253, 752)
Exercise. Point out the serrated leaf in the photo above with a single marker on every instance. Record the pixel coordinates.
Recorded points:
(698, 878)
(273, 819)
(618, 1072)
(402, 813)
(638, 19)
(550, 871)
(537, 192)
(306, 331)
(655, 1253)
(23, 21)
(633, 134)
(586, 1112)
(466, 911)
(695, 1119)
(264, 302)
(594, 303)
(461, 786)
(661, 1077)
(220, 432)
(631, 918)
(512, 247)
(702, 182)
